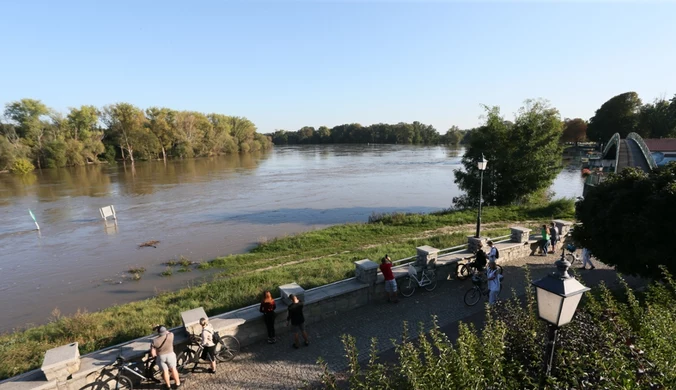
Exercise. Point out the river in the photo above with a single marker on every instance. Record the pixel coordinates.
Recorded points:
(199, 209)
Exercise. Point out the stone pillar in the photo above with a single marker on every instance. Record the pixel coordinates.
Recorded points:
(61, 362)
(427, 256)
(520, 234)
(291, 288)
(366, 271)
(473, 243)
(191, 320)
(563, 226)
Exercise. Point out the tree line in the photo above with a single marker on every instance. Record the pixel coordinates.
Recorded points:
(34, 135)
(415, 133)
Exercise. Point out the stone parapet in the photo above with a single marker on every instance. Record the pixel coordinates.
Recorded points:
(520, 234)
(61, 362)
(292, 288)
(366, 271)
(473, 243)
(563, 226)
(191, 320)
(427, 256)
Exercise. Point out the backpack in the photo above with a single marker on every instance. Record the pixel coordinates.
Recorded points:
(497, 252)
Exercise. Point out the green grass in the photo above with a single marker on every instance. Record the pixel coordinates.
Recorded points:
(311, 259)
(167, 272)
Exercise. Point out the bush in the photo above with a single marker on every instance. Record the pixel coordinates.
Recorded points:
(22, 166)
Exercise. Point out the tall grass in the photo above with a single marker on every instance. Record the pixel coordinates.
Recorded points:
(310, 259)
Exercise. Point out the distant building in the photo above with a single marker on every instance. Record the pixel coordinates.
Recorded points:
(662, 149)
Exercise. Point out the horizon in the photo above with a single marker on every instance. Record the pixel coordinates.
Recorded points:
(285, 66)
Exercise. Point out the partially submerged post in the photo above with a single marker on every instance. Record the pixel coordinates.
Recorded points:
(34, 220)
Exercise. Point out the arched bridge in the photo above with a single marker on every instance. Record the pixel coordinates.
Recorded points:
(629, 152)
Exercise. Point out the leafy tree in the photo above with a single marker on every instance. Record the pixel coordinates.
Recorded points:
(126, 125)
(162, 123)
(453, 136)
(324, 134)
(627, 221)
(574, 130)
(620, 114)
(523, 157)
(658, 119)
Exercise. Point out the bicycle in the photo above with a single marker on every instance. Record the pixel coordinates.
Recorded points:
(468, 269)
(411, 281)
(227, 347)
(127, 370)
(479, 289)
(571, 256)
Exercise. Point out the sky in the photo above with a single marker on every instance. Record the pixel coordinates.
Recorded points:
(285, 65)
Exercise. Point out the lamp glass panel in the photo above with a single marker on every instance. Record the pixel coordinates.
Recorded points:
(549, 305)
(568, 309)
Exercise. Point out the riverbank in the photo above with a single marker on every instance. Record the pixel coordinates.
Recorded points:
(310, 259)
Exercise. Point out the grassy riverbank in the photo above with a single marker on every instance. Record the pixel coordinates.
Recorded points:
(310, 259)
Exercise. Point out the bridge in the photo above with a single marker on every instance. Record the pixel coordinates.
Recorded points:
(619, 154)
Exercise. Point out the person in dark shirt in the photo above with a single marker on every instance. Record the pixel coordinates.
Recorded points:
(297, 320)
(268, 307)
(479, 259)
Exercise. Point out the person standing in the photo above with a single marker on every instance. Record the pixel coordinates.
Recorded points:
(268, 307)
(492, 252)
(493, 277)
(545, 240)
(553, 236)
(586, 258)
(479, 259)
(390, 281)
(162, 347)
(297, 320)
(208, 344)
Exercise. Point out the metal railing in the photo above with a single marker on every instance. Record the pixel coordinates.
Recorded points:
(644, 149)
(614, 140)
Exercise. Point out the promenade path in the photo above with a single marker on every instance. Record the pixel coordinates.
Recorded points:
(279, 366)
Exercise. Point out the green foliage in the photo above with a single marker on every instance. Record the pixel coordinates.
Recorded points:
(523, 157)
(625, 342)
(627, 221)
(620, 114)
(574, 130)
(401, 133)
(21, 166)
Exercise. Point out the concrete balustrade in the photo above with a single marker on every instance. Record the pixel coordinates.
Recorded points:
(191, 320)
(366, 271)
(426, 256)
(473, 243)
(292, 288)
(563, 226)
(520, 234)
(61, 362)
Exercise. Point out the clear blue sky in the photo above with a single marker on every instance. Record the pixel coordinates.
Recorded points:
(285, 65)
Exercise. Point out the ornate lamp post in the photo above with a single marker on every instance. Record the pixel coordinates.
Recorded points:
(558, 295)
(482, 167)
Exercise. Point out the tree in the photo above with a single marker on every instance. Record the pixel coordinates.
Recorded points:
(627, 221)
(523, 158)
(162, 123)
(453, 136)
(28, 114)
(574, 130)
(126, 124)
(324, 134)
(620, 114)
(657, 120)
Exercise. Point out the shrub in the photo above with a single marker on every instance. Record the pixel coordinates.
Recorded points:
(21, 166)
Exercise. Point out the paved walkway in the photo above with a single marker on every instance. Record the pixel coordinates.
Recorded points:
(264, 366)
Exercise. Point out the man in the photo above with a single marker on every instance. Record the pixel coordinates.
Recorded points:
(493, 282)
(208, 345)
(390, 281)
(492, 252)
(297, 320)
(162, 347)
(479, 259)
(586, 258)
(553, 236)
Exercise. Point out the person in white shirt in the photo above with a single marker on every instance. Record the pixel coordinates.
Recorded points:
(492, 252)
(493, 277)
(586, 258)
(209, 352)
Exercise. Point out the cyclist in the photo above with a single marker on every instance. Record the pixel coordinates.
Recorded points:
(208, 344)
(162, 347)
(479, 259)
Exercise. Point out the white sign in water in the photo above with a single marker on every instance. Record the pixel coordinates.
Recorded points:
(108, 211)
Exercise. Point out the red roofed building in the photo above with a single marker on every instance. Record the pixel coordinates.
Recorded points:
(662, 149)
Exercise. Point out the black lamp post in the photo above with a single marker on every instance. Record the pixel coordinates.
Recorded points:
(558, 295)
(482, 167)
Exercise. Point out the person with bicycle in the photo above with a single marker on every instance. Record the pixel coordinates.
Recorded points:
(209, 352)
(492, 252)
(493, 277)
(479, 259)
(162, 348)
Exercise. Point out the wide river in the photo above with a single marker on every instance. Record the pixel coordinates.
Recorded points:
(200, 209)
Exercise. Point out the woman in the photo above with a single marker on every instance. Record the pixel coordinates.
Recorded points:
(545, 240)
(208, 344)
(268, 307)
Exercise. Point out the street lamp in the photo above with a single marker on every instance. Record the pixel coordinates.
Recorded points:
(558, 295)
(482, 167)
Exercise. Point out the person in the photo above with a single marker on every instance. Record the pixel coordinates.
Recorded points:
(586, 258)
(390, 281)
(209, 352)
(479, 259)
(297, 320)
(268, 307)
(162, 347)
(492, 252)
(545, 240)
(493, 277)
(553, 236)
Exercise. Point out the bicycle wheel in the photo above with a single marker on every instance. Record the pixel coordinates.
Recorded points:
(227, 348)
(463, 272)
(571, 258)
(120, 382)
(100, 385)
(184, 359)
(472, 296)
(408, 286)
(499, 268)
(433, 281)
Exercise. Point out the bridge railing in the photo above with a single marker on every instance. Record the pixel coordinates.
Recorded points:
(644, 149)
(614, 140)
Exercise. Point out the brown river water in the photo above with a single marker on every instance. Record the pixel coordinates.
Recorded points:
(199, 209)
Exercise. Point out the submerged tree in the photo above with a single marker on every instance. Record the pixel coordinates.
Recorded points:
(523, 157)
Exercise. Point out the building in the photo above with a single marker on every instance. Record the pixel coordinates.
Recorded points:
(662, 149)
